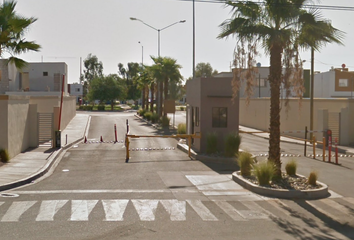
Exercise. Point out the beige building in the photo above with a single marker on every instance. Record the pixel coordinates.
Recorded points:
(211, 109)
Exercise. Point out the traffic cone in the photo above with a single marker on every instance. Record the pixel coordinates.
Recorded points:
(101, 139)
(85, 140)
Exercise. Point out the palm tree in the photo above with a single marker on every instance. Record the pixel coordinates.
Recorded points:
(281, 27)
(12, 30)
(168, 72)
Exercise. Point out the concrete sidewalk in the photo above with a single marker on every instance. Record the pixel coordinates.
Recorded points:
(34, 163)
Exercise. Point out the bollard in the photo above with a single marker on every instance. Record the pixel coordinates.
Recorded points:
(115, 132)
(329, 148)
(127, 126)
(66, 139)
(101, 139)
(314, 146)
(127, 148)
(85, 140)
(336, 149)
(324, 148)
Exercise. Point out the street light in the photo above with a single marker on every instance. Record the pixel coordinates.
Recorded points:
(158, 43)
(158, 30)
(142, 54)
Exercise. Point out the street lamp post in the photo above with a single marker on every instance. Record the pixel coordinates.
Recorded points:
(158, 52)
(142, 54)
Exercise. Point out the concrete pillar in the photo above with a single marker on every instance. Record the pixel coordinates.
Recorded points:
(322, 122)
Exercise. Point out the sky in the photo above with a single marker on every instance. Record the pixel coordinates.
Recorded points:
(69, 30)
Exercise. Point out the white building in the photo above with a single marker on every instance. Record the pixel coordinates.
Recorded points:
(76, 90)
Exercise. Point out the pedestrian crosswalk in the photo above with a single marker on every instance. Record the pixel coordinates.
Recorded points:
(115, 210)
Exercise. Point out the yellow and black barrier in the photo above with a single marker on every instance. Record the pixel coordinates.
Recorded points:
(186, 136)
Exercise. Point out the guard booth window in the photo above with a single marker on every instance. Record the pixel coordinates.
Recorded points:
(219, 118)
(196, 117)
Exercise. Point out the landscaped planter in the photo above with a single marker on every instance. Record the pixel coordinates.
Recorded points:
(321, 192)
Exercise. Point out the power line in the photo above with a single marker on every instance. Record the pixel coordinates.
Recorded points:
(323, 7)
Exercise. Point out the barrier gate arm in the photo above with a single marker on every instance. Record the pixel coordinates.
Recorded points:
(189, 136)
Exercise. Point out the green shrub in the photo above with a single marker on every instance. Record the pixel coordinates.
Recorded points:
(148, 115)
(135, 107)
(264, 171)
(182, 128)
(165, 121)
(181, 108)
(232, 144)
(101, 107)
(211, 143)
(154, 117)
(313, 178)
(4, 155)
(291, 167)
(87, 108)
(142, 112)
(245, 162)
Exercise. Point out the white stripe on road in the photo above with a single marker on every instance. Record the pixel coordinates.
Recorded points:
(49, 208)
(230, 210)
(106, 191)
(114, 209)
(337, 206)
(146, 209)
(81, 209)
(176, 209)
(202, 210)
(15, 211)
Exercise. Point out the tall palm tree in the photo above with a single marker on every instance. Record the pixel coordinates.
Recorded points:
(281, 27)
(12, 30)
(168, 72)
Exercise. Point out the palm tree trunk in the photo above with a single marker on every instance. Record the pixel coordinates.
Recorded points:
(152, 97)
(160, 92)
(147, 97)
(274, 128)
(165, 91)
(143, 98)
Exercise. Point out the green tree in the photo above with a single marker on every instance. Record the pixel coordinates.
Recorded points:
(107, 88)
(204, 70)
(12, 30)
(166, 71)
(281, 27)
(94, 68)
(131, 75)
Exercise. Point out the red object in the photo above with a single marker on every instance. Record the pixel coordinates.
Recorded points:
(101, 139)
(85, 140)
(329, 148)
(61, 101)
(335, 142)
(115, 132)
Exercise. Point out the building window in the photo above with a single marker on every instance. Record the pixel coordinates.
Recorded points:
(219, 118)
(343, 83)
(45, 74)
(196, 122)
(77, 89)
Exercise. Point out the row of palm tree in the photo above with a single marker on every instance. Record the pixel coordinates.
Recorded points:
(157, 79)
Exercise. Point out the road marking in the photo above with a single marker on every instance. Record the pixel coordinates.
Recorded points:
(114, 209)
(105, 191)
(229, 210)
(81, 209)
(146, 209)
(337, 206)
(255, 212)
(176, 209)
(49, 208)
(202, 210)
(349, 199)
(15, 211)
(323, 211)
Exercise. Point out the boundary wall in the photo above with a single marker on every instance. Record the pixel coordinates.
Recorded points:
(297, 116)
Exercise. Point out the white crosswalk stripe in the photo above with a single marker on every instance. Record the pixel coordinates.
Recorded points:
(146, 209)
(15, 211)
(176, 209)
(81, 209)
(49, 208)
(114, 209)
(202, 210)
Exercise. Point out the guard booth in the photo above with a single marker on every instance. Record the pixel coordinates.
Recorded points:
(211, 108)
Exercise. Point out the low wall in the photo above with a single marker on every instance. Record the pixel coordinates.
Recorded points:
(297, 117)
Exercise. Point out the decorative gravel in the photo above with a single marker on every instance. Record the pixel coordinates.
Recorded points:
(287, 182)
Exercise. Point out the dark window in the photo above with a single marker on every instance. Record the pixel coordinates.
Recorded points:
(45, 74)
(219, 118)
(196, 116)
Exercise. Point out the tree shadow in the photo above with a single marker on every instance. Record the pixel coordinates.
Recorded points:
(312, 230)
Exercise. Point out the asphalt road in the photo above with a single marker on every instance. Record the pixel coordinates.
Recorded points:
(162, 194)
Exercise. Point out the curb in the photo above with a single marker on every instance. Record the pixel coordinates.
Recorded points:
(52, 160)
(283, 193)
